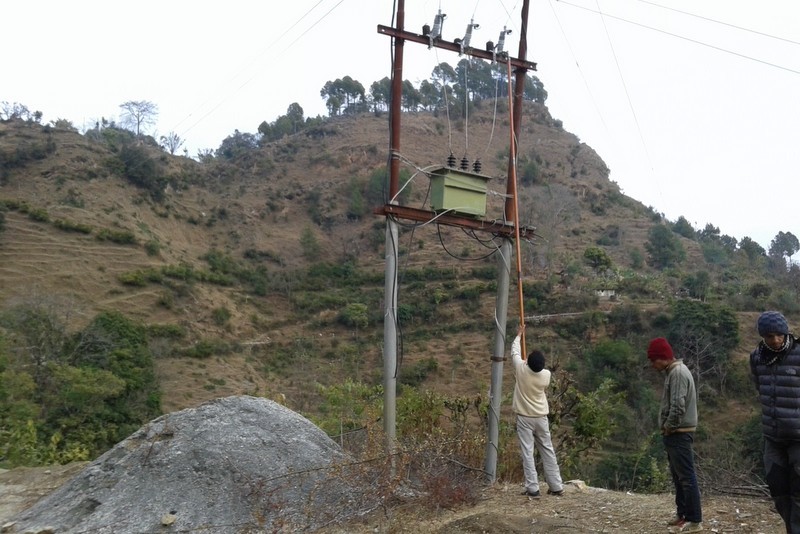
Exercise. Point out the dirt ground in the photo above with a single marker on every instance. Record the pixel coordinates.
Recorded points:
(500, 510)
(20, 488)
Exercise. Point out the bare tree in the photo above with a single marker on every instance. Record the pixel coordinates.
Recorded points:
(16, 111)
(137, 114)
(548, 209)
(171, 142)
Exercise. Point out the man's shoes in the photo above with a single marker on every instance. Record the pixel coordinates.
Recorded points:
(676, 522)
(558, 493)
(532, 494)
(689, 526)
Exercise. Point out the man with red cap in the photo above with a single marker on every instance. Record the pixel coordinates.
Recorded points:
(775, 368)
(678, 421)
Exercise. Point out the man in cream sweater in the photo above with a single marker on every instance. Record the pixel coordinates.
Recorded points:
(533, 428)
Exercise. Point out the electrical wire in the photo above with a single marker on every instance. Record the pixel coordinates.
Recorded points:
(466, 108)
(695, 41)
(460, 258)
(625, 87)
(580, 70)
(251, 78)
(721, 23)
(494, 112)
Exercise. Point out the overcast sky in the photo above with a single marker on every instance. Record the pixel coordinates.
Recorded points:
(693, 104)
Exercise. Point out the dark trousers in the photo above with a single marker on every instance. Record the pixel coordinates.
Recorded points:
(782, 465)
(681, 466)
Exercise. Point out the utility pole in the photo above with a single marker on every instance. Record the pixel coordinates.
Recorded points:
(390, 367)
(508, 229)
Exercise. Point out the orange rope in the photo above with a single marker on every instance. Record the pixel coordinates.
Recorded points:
(513, 188)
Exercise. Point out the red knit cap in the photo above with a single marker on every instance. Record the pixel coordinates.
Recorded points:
(659, 349)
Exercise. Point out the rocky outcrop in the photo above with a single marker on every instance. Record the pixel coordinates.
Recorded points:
(232, 465)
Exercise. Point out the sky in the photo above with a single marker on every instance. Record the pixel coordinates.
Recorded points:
(693, 104)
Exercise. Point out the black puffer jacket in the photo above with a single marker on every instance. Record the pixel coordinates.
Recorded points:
(777, 377)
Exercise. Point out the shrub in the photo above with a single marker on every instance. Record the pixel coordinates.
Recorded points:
(69, 226)
(417, 374)
(39, 215)
(206, 348)
(135, 278)
(221, 315)
(141, 170)
(121, 237)
(152, 247)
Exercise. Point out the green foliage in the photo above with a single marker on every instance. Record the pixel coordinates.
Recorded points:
(39, 215)
(595, 414)
(72, 396)
(529, 173)
(598, 259)
(284, 125)
(698, 284)
(355, 315)
(663, 248)
(347, 406)
(133, 278)
(625, 321)
(152, 247)
(644, 469)
(715, 254)
(69, 226)
(684, 228)
(705, 336)
(356, 207)
(206, 348)
(221, 262)
(592, 417)
(121, 237)
(309, 244)
(378, 187)
(784, 245)
(169, 331)
(418, 412)
(610, 361)
(610, 237)
(752, 250)
(640, 286)
(418, 372)
(142, 170)
(221, 315)
(343, 96)
(25, 151)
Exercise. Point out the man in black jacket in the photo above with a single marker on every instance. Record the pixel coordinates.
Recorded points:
(775, 368)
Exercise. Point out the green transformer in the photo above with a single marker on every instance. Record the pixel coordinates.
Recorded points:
(458, 191)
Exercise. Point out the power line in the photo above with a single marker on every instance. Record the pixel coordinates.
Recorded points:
(695, 41)
(254, 60)
(624, 85)
(721, 22)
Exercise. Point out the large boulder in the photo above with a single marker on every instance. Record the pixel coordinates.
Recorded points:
(232, 465)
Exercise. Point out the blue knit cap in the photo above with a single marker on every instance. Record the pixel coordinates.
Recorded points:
(772, 322)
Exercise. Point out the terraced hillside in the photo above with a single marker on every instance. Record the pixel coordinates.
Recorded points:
(221, 248)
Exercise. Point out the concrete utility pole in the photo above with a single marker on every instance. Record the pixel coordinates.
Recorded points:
(508, 229)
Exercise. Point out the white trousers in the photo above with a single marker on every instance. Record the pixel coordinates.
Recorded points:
(536, 430)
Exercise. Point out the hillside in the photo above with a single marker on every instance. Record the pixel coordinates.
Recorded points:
(260, 205)
(260, 270)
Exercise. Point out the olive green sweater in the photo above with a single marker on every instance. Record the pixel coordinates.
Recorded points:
(679, 400)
